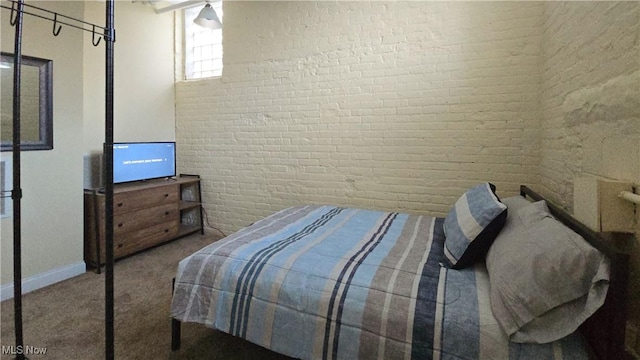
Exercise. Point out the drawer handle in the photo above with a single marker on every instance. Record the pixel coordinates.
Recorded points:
(166, 213)
(119, 204)
(166, 195)
(120, 225)
(166, 230)
(120, 245)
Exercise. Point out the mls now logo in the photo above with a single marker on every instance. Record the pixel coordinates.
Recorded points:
(23, 350)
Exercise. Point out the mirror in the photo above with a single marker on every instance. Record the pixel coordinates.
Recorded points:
(36, 103)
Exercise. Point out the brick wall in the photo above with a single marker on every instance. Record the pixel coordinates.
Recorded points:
(379, 105)
(590, 102)
(590, 94)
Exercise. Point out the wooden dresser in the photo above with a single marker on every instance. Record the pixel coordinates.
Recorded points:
(145, 214)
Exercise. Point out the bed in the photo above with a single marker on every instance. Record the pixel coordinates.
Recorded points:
(327, 282)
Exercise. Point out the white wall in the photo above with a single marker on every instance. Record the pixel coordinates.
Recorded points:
(144, 111)
(144, 108)
(51, 180)
(399, 105)
(590, 94)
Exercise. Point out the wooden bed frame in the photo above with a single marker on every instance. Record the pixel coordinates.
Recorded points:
(604, 330)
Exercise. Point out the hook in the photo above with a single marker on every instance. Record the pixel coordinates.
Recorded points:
(56, 32)
(93, 40)
(14, 18)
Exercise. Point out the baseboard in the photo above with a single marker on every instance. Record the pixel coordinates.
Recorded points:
(39, 281)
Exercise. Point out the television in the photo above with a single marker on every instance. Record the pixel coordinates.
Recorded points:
(135, 161)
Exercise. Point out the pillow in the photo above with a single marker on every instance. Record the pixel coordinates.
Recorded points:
(515, 203)
(545, 279)
(472, 225)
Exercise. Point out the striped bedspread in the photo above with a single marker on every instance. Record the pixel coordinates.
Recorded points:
(324, 282)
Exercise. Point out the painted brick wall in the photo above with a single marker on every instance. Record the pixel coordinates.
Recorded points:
(379, 105)
(590, 94)
(591, 106)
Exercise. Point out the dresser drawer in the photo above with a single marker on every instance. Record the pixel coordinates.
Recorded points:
(144, 218)
(131, 242)
(125, 202)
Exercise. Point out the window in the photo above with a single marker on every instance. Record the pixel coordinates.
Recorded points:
(203, 47)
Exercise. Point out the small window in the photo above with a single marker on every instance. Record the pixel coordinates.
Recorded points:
(203, 46)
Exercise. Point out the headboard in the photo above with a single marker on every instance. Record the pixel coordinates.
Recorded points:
(604, 330)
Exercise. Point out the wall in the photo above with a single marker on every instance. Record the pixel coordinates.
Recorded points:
(144, 106)
(398, 105)
(143, 111)
(591, 104)
(51, 180)
(590, 93)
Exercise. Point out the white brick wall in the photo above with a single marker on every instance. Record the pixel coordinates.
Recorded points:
(397, 105)
(590, 93)
(590, 102)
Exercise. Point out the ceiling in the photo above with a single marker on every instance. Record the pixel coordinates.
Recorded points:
(162, 6)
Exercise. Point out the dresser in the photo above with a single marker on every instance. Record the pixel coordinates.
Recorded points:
(145, 214)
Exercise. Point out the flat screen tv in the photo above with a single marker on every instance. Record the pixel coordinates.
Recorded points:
(135, 161)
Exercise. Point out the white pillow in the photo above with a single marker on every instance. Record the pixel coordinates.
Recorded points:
(545, 279)
(515, 203)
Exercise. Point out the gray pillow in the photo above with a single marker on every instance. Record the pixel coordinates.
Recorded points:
(515, 203)
(545, 279)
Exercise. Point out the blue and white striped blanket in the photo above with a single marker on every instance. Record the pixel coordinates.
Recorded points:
(324, 282)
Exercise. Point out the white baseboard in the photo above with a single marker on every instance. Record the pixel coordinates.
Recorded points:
(39, 281)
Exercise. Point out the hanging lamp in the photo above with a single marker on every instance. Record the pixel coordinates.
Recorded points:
(208, 18)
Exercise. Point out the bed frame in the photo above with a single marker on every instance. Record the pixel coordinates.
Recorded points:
(604, 330)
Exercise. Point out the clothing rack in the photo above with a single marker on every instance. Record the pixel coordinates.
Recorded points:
(59, 20)
(18, 10)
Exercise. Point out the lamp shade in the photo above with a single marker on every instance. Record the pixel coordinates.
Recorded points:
(208, 18)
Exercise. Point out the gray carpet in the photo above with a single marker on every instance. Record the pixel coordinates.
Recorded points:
(68, 318)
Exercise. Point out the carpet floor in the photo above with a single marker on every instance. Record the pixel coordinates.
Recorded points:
(67, 319)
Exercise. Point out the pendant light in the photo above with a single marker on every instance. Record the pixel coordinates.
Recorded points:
(208, 18)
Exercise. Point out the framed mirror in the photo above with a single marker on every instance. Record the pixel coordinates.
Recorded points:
(36, 103)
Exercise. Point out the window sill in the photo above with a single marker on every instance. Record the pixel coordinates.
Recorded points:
(200, 79)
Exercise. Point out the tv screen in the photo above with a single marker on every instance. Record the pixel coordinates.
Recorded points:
(134, 161)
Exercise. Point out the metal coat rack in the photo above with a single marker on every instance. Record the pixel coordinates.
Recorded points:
(18, 10)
